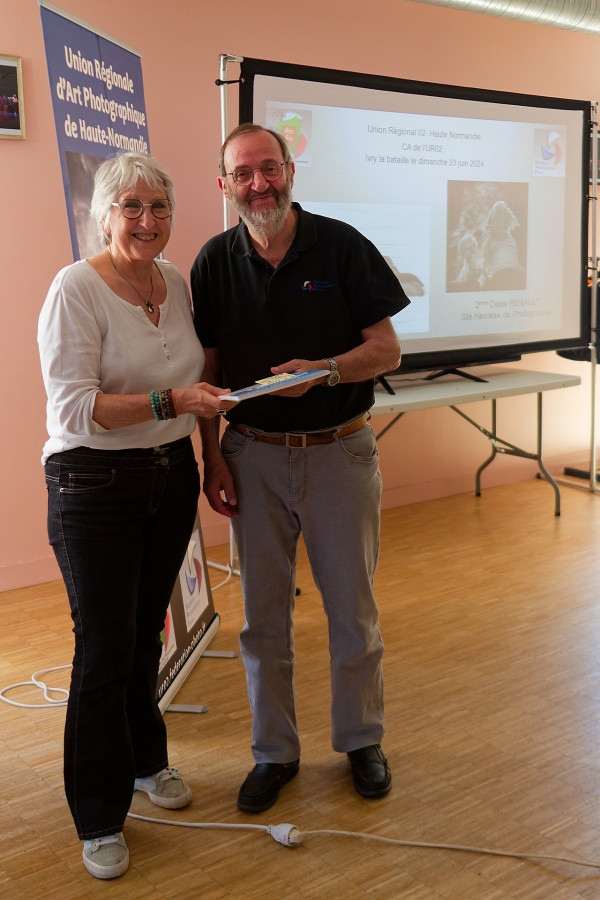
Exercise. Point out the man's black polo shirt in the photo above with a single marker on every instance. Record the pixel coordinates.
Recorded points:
(331, 284)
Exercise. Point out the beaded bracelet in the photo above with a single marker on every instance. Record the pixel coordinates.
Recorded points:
(162, 405)
(155, 404)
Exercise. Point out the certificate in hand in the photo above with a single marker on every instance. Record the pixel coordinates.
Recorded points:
(273, 383)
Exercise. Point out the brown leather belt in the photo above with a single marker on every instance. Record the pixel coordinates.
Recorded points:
(293, 439)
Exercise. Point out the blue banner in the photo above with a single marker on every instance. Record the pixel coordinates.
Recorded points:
(99, 110)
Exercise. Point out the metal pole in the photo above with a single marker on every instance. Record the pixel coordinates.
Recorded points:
(224, 60)
(593, 293)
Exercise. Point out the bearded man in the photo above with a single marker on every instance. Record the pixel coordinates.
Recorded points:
(287, 291)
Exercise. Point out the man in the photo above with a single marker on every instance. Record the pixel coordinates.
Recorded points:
(286, 291)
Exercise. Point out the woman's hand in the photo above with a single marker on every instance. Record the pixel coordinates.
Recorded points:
(201, 399)
(119, 410)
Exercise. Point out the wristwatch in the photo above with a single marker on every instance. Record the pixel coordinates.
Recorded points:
(334, 374)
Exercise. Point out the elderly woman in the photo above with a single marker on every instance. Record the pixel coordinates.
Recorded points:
(121, 365)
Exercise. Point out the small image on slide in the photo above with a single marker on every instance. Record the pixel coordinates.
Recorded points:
(295, 127)
(487, 236)
(411, 283)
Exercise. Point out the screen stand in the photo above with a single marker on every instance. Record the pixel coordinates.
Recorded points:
(385, 384)
(460, 372)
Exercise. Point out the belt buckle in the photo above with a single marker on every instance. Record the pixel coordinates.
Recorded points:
(296, 441)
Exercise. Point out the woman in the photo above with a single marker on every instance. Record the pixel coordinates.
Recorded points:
(121, 364)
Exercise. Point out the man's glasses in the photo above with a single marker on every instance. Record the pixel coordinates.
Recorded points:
(133, 209)
(245, 175)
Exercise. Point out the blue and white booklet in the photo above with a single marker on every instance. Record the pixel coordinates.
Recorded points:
(273, 383)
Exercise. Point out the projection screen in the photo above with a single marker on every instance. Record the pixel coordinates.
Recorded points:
(477, 199)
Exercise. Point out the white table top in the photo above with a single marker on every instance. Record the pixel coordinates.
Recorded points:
(454, 389)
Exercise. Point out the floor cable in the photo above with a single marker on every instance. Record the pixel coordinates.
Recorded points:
(287, 834)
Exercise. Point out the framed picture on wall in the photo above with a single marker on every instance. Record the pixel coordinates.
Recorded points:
(12, 113)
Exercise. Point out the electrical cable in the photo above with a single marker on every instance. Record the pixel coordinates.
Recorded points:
(512, 854)
(225, 580)
(291, 836)
(36, 682)
(287, 834)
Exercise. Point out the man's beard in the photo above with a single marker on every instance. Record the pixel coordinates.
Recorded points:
(264, 222)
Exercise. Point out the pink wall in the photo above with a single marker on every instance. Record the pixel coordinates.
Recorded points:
(429, 454)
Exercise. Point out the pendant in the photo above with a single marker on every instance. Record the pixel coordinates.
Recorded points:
(149, 306)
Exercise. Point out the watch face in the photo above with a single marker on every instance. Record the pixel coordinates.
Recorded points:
(334, 375)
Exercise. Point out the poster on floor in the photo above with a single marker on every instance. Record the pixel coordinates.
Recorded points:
(99, 110)
(190, 624)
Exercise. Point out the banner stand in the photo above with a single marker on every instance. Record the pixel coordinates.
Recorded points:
(190, 625)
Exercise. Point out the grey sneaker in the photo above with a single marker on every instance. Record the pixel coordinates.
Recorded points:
(106, 857)
(166, 788)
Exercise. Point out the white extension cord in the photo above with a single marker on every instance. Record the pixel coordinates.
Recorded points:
(286, 834)
(38, 683)
(291, 836)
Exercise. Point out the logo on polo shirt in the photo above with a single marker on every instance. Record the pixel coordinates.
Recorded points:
(317, 285)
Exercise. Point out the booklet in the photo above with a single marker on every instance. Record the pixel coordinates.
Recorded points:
(273, 383)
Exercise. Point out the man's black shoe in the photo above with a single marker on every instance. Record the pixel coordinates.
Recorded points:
(370, 771)
(261, 788)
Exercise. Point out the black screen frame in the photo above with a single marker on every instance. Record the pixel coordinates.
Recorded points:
(449, 359)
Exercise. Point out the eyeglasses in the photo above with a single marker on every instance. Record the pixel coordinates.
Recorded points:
(244, 176)
(133, 209)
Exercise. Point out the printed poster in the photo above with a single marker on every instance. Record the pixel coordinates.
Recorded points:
(99, 111)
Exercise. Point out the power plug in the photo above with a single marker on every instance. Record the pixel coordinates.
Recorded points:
(285, 834)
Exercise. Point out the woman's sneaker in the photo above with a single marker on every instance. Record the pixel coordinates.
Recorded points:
(166, 788)
(106, 857)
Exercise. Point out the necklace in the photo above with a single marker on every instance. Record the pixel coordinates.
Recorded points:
(147, 303)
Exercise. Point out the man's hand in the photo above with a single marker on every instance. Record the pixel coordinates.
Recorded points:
(379, 352)
(218, 488)
(299, 365)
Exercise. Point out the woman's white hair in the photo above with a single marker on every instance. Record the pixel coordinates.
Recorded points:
(120, 173)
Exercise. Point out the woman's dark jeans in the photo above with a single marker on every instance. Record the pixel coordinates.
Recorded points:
(119, 522)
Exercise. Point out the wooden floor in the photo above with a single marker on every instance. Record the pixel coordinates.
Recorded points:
(490, 611)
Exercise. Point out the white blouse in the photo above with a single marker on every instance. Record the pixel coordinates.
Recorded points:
(92, 340)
